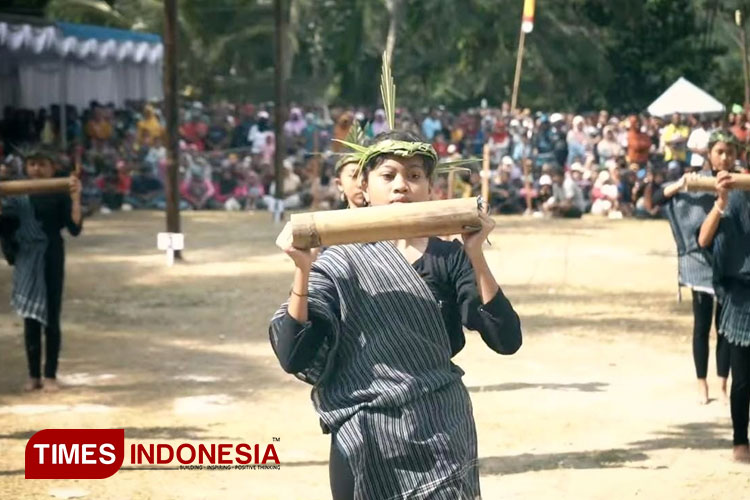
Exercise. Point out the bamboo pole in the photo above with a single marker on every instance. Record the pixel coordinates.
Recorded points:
(35, 186)
(451, 184)
(739, 181)
(517, 75)
(388, 222)
(486, 176)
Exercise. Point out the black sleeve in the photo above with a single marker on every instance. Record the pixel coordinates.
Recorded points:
(658, 197)
(297, 343)
(73, 228)
(496, 321)
(303, 349)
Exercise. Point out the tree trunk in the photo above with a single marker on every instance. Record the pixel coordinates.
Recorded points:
(394, 7)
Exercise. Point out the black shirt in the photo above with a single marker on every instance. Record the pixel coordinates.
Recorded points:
(448, 273)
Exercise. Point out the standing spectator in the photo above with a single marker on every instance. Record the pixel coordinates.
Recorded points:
(608, 148)
(259, 132)
(99, 129)
(674, 139)
(149, 131)
(698, 144)
(218, 136)
(378, 125)
(431, 125)
(639, 143)
(578, 141)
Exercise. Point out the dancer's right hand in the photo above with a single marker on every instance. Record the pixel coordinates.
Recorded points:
(303, 259)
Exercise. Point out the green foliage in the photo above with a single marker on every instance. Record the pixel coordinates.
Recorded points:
(582, 54)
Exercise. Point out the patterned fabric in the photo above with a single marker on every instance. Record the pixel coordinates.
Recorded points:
(384, 381)
(686, 212)
(731, 263)
(29, 295)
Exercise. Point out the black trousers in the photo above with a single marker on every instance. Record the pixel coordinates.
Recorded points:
(740, 396)
(54, 276)
(340, 474)
(703, 316)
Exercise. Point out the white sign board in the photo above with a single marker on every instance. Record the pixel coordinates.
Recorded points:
(170, 242)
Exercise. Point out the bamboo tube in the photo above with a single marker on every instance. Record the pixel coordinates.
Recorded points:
(388, 222)
(35, 186)
(740, 181)
(486, 175)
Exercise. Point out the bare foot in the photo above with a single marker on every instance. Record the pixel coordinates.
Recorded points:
(741, 453)
(702, 391)
(724, 393)
(32, 384)
(51, 385)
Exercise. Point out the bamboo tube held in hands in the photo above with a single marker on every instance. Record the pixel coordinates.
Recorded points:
(739, 181)
(35, 186)
(388, 222)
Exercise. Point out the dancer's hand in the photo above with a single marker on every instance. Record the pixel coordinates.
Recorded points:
(303, 259)
(724, 184)
(473, 241)
(75, 189)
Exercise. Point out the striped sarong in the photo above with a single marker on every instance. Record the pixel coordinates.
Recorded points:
(686, 212)
(731, 263)
(29, 295)
(384, 381)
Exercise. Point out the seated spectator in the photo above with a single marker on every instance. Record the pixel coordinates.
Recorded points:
(291, 188)
(115, 186)
(604, 195)
(567, 198)
(504, 194)
(146, 190)
(197, 189)
(254, 189)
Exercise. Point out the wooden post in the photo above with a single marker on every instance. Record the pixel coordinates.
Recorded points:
(279, 107)
(519, 65)
(486, 173)
(171, 115)
(381, 223)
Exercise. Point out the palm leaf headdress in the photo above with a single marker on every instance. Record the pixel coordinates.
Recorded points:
(363, 154)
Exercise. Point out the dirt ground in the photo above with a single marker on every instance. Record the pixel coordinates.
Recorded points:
(600, 401)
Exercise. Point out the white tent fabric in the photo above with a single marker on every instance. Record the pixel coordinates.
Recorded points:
(76, 64)
(51, 39)
(686, 98)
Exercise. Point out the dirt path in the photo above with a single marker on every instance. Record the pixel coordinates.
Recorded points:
(599, 402)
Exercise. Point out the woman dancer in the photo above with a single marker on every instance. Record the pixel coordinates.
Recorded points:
(686, 212)
(726, 231)
(39, 269)
(374, 327)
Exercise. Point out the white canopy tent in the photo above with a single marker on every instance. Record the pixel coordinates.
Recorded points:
(686, 98)
(45, 64)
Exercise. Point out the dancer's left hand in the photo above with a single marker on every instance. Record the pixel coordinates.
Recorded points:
(473, 241)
